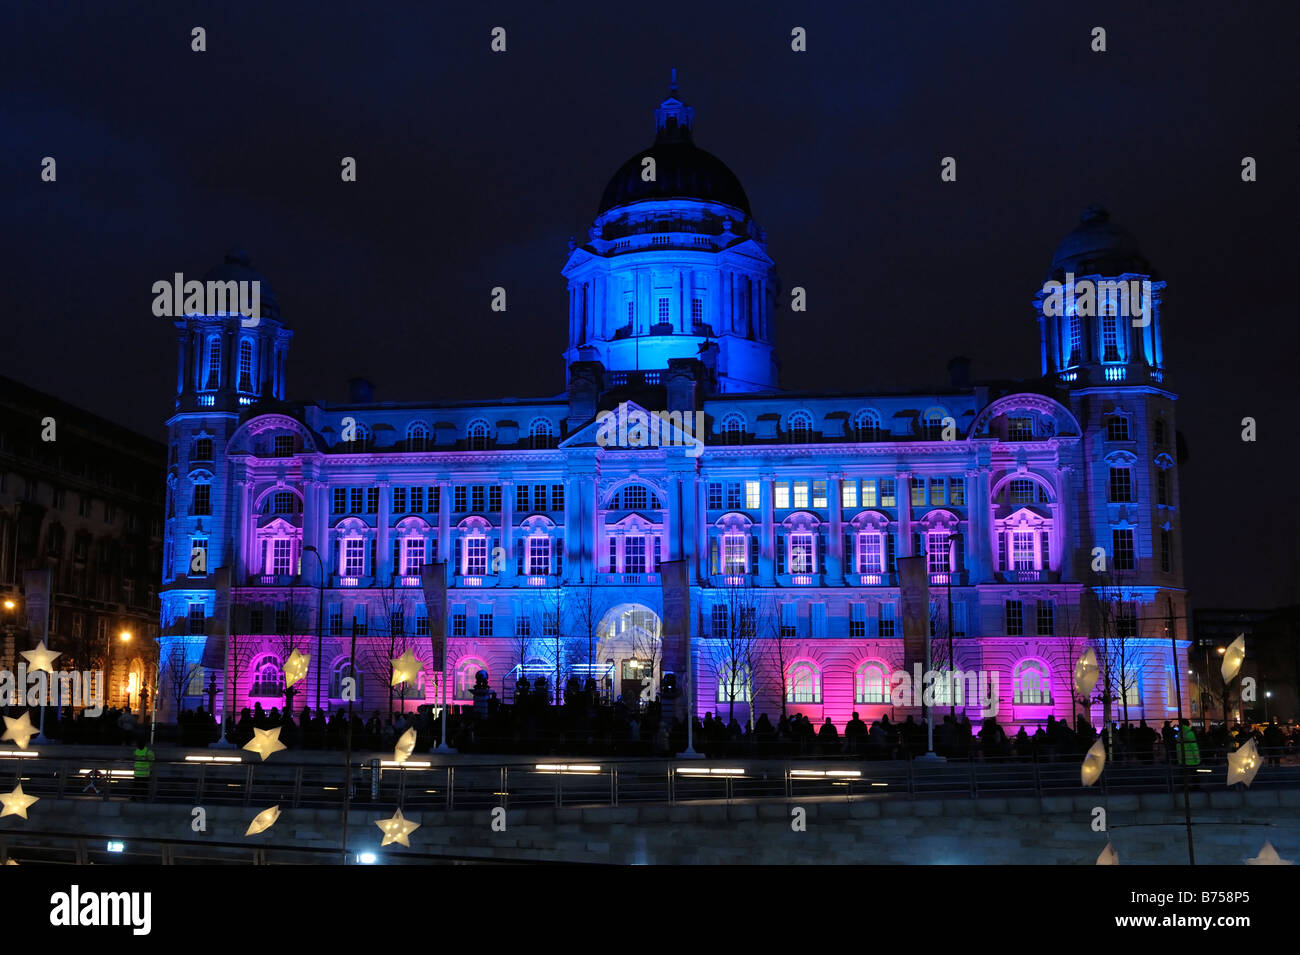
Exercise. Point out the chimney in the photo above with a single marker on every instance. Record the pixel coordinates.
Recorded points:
(360, 391)
(681, 382)
(959, 371)
(585, 378)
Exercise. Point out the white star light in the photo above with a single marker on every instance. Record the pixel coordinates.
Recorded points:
(405, 668)
(40, 658)
(397, 829)
(265, 742)
(1243, 764)
(1093, 763)
(405, 746)
(19, 730)
(16, 802)
(295, 668)
(1268, 856)
(1108, 856)
(263, 821)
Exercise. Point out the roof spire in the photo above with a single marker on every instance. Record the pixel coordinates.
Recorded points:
(672, 87)
(673, 118)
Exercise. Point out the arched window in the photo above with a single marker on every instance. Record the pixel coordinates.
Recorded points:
(800, 427)
(634, 497)
(871, 683)
(246, 365)
(477, 436)
(268, 678)
(866, 425)
(540, 434)
(466, 674)
(737, 690)
(417, 436)
(733, 429)
(1032, 684)
(342, 669)
(804, 684)
(362, 438)
(932, 424)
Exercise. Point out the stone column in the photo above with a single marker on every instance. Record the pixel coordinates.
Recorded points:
(507, 528)
(835, 556)
(673, 518)
(243, 538)
(700, 523)
(767, 544)
(904, 501)
(446, 550)
(384, 547)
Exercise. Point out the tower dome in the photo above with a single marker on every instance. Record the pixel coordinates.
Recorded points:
(238, 267)
(1098, 246)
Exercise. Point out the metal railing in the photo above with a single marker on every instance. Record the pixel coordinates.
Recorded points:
(576, 782)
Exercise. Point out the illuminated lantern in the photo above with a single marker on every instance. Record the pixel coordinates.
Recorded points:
(405, 746)
(19, 730)
(405, 668)
(1233, 658)
(1108, 856)
(397, 829)
(16, 802)
(1243, 764)
(1085, 675)
(1268, 856)
(265, 742)
(295, 668)
(1093, 763)
(263, 821)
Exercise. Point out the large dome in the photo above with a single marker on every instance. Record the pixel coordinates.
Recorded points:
(1098, 247)
(682, 169)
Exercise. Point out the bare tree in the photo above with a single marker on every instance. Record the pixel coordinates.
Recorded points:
(584, 612)
(177, 673)
(735, 635)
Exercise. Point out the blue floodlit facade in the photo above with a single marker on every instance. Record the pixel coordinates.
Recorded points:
(1047, 510)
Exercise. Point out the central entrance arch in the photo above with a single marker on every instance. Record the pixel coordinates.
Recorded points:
(630, 649)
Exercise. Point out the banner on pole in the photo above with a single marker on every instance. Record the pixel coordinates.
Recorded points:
(218, 625)
(914, 588)
(433, 580)
(36, 595)
(676, 624)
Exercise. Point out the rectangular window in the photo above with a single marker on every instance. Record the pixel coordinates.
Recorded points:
(789, 620)
(959, 619)
(819, 495)
(196, 619)
(458, 628)
(485, 622)
(801, 554)
(476, 555)
(782, 502)
(713, 496)
(336, 620)
(539, 497)
(359, 624)
(557, 497)
(460, 503)
(1166, 550)
(734, 499)
(753, 499)
(1022, 550)
(1162, 487)
(857, 620)
(283, 621)
(1015, 611)
(417, 500)
(1122, 555)
(938, 492)
(918, 491)
(735, 553)
(421, 622)
(869, 498)
(357, 498)
(354, 557)
(283, 446)
(888, 495)
(476, 498)
(887, 622)
(494, 498)
(539, 556)
(1160, 432)
(1116, 428)
(634, 554)
(871, 553)
(849, 494)
(523, 626)
(202, 499)
(719, 621)
(198, 556)
(1109, 338)
(281, 556)
(663, 310)
(937, 552)
(1022, 491)
(435, 499)
(1046, 618)
(697, 310)
(1121, 485)
(800, 493)
(413, 559)
(521, 498)
(399, 500)
(372, 500)
(957, 491)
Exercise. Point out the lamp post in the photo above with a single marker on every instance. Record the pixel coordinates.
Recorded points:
(1268, 695)
(320, 611)
(1221, 651)
(124, 637)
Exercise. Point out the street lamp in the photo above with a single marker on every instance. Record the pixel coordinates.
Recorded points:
(125, 637)
(320, 611)
(1268, 695)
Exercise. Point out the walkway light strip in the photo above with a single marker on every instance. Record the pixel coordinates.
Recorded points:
(702, 771)
(569, 768)
(213, 759)
(827, 773)
(18, 753)
(409, 764)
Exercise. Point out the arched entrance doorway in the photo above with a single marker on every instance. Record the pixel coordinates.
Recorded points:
(630, 650)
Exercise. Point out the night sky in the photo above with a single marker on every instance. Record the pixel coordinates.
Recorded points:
(474, 168)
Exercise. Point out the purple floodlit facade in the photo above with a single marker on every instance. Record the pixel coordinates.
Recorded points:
(1046, 509)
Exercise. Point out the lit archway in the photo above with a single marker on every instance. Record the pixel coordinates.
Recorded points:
(628, 654)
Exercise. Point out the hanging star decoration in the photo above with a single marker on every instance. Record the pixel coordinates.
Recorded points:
(10, 862)
(1233, 657)
(1243, 764)
(16, 802)
(19, 730)
(397, 829)
(263, 821)
(405, 746)
(40, 658)
(265, 742)
(1093, 763)
(295, 668)
(1085, 675)
(1108, 856)
(1268, 856)
(405, 668)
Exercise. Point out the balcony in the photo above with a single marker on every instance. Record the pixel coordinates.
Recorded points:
(1029, 576)
(408, 581)
(630, 578)
(872, 579)
(273, 580)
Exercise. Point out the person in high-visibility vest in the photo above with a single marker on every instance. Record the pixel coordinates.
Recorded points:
(1189, 751)
(143, 767)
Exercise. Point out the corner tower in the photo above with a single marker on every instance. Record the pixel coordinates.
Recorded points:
(674, 266)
